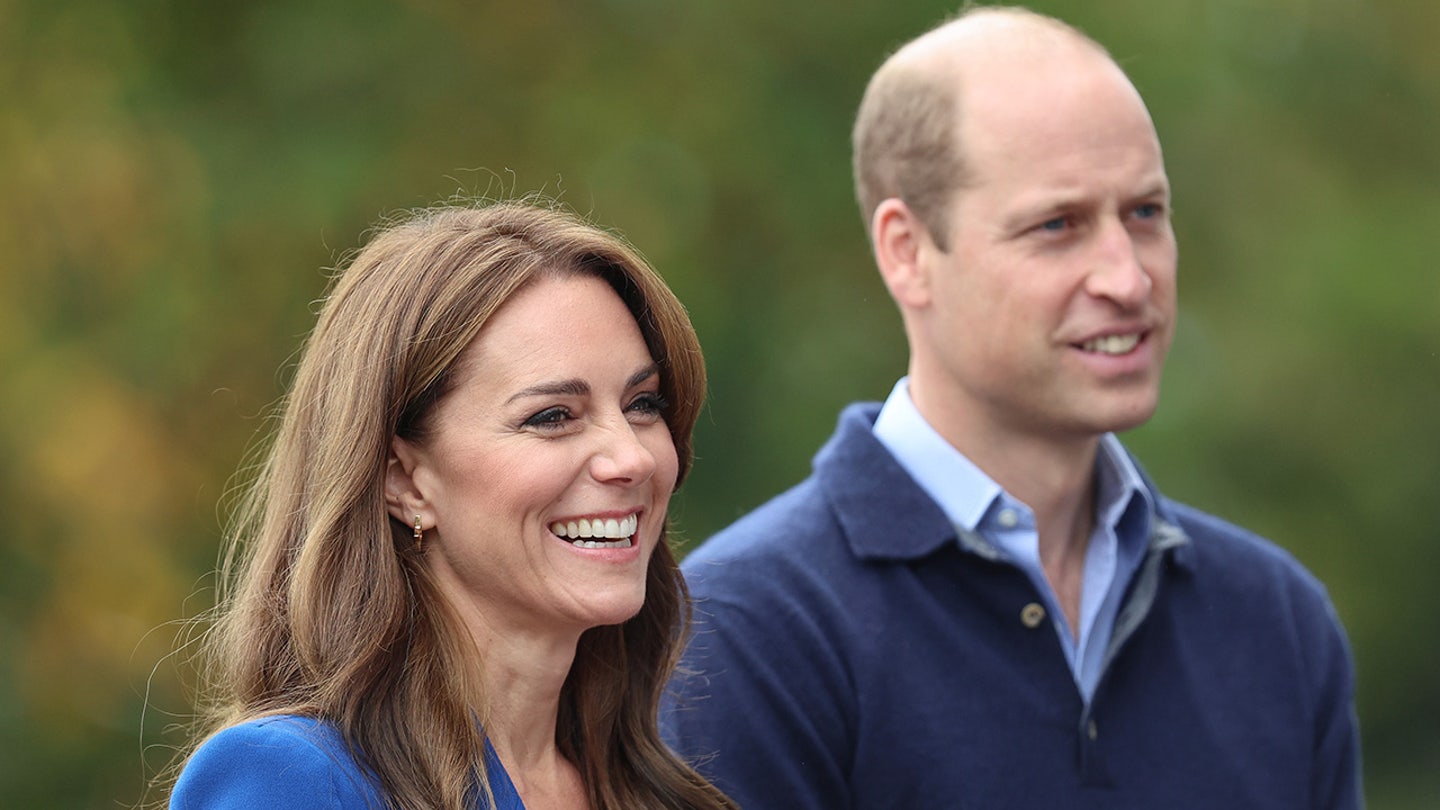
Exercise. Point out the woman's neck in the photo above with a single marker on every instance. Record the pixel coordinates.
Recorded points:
(522, 672)
(522, 679)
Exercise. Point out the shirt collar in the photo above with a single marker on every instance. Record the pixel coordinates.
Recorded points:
(963, 492)
(884, 515)
(1123, 499)
(966, 494)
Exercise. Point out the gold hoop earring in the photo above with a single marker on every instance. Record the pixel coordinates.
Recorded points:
(419, 535)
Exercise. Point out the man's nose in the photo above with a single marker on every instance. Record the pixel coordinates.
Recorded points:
(1118, 273)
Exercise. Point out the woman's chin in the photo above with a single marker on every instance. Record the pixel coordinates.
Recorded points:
(610, 608)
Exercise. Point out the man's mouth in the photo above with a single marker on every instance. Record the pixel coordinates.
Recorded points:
(598, 532)
(1113, 344)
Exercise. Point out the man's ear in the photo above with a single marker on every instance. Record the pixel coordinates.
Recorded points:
(902, 244)
(403, 497)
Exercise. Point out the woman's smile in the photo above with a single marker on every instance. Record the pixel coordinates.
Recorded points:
(597, 531)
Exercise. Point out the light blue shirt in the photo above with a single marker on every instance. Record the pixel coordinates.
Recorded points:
(974, 502)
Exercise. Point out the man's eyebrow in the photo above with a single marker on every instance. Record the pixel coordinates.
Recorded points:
(1159, 188)
(1054, 203)
(559, 388)
(1049, 205)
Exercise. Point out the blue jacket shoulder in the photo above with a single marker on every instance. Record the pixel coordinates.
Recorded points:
(279, 762)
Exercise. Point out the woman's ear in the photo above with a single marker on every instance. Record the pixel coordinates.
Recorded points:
(403, 497)
(900, 241)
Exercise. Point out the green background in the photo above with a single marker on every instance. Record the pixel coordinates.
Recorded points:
(175, 178)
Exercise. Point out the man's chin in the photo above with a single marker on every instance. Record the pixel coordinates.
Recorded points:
(1128, 416)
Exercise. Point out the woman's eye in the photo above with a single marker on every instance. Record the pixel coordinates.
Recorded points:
(651, 404)
(550, 417)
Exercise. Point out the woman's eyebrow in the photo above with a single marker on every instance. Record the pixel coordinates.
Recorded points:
(642, 375)
(569, 388)
(577, 387)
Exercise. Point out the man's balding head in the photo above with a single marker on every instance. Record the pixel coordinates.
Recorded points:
(906, 137)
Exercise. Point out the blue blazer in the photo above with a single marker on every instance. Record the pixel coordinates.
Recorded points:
(287, 762)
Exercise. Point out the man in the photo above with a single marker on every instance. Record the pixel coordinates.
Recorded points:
(977, 599)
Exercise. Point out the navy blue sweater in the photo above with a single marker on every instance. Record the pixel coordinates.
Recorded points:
(851, 651)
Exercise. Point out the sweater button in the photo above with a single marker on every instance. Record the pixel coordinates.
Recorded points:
(1032, 615)
(1092, 730)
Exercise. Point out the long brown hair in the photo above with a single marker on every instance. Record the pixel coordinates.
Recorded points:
(327, 610)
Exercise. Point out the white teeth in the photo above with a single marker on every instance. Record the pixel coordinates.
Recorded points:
(1112, 344)
(623, 542)
(619, 532)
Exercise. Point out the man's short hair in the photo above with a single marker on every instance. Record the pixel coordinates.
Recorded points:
(904, 145)
(904, 142)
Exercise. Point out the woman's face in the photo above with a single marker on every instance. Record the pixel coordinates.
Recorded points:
(549, 466)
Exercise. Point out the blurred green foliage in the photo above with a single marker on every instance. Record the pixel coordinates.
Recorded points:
(175, 178)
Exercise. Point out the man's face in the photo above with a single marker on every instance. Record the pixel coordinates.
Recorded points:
(1052, 311)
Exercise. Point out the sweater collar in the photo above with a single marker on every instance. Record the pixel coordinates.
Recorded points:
(885, 515)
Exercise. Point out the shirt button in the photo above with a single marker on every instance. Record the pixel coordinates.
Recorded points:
(1092, 730)
(1007, 518)
(1032, 615)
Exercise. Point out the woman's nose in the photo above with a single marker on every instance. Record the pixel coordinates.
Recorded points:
(621, 456)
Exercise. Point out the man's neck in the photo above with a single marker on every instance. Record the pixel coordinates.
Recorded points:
(1052, 474)
(1058, 484)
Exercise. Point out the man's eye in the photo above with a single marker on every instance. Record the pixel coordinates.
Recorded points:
(549, 417)
(1055, 225)
(1149, 211)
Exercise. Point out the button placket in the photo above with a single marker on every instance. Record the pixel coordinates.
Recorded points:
(1032, 615)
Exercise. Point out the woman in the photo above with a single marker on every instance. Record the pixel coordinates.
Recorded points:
(453, 587)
